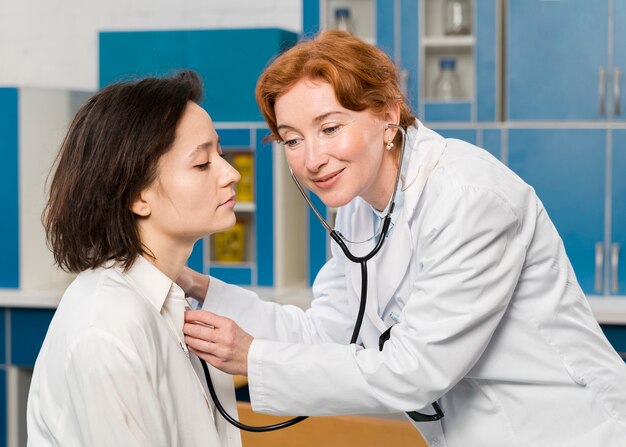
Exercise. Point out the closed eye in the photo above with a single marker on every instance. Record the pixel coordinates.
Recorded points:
(203, 166)
(331, 130)
(291, 143)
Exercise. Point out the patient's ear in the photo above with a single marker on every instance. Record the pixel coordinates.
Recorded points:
(140, 207)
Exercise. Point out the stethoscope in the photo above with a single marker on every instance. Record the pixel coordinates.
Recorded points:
(362, 261)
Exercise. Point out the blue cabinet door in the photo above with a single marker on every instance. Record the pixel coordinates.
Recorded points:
(9, 189)
(487, 95)
(555, 50)
(567, 169)
(618, 214)
(228, 60)
(619, 59)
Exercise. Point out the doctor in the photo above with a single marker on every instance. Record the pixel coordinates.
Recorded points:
(487, 318)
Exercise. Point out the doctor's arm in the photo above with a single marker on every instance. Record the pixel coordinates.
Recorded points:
(327, 320)
(223, 331)
(470, 260)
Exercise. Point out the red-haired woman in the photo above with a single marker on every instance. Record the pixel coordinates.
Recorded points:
(472, 286)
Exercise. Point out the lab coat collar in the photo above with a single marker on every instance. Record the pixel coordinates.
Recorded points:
(425, 148)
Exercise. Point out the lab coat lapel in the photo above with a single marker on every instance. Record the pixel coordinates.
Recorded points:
(388, 268)
(392, 262)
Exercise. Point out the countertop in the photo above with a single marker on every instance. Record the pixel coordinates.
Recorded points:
(607, 309)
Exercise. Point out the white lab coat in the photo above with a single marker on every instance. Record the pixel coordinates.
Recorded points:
(493, 323)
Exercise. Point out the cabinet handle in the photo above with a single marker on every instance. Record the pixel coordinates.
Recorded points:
(614, 267)
(617, 75)
(599, 261)
(601, 89)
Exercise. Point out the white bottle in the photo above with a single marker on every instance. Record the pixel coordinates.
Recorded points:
(343, 20)
(457, 17)
(446, 83)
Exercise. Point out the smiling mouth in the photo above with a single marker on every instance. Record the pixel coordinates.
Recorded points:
(327, 178)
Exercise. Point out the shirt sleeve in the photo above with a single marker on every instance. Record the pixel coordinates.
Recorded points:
(329, 319)
(470, 258)
(113, 395)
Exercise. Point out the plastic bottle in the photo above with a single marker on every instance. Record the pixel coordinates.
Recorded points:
(446, 83)
(343, 20)
(457, 17)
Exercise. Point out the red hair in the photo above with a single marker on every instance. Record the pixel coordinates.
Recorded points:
(362, 76)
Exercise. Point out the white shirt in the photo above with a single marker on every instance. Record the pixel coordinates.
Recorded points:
(114, 370)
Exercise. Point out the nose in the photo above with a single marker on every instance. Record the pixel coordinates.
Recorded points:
(230, 176)
(315, 155)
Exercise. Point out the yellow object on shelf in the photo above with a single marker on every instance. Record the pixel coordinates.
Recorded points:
(244, 191)
(229, 244)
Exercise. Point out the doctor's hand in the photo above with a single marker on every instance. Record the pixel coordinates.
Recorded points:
(194, 284)
(218, 340)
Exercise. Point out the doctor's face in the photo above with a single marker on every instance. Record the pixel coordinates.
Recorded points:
(336, 152)
(193, 194)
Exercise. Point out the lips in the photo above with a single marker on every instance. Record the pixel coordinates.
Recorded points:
(229, 202)
(327, 180)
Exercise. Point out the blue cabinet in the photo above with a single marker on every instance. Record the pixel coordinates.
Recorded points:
(618, 66)
(567, 169)
(22, 331)
(562, 63)
(616, 255)
(229, 62)
(9, 189)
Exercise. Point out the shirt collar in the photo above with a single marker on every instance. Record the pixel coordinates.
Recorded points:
(152, 283)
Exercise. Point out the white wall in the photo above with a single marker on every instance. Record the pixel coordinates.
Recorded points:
(44, 116)
(54, 43)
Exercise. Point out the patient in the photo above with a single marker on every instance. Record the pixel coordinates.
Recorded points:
(139, 179)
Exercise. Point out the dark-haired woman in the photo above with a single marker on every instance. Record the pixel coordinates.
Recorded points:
(139, 179)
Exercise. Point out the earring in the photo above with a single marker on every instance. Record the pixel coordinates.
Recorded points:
(389, 145)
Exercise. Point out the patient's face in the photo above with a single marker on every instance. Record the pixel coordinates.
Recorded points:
(193, 194)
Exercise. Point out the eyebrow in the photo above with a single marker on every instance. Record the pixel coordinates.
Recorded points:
(316, 120)
(203, 146)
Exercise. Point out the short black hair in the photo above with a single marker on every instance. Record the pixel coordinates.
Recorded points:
(109, 155)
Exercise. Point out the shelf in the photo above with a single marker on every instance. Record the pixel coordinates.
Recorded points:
(449, 41)
(245, 207)
(247, 265)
